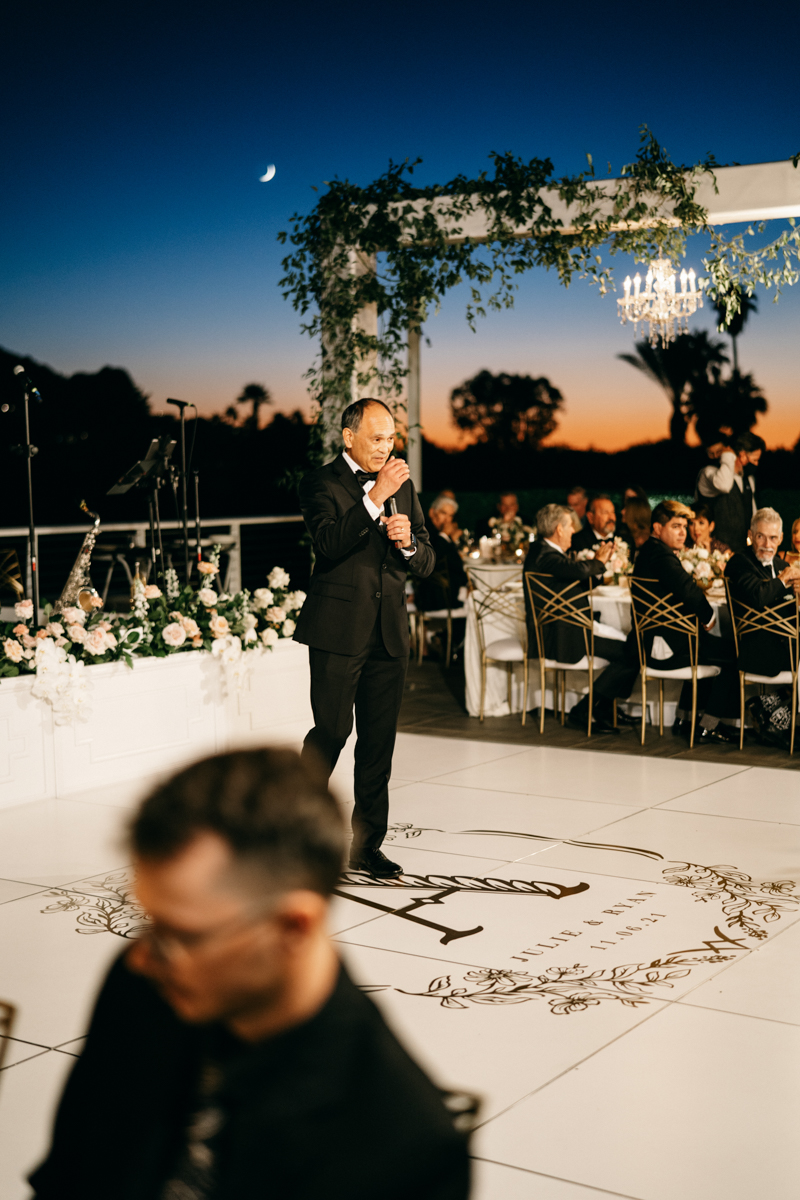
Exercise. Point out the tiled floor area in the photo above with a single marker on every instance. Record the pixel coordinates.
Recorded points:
(603, 946)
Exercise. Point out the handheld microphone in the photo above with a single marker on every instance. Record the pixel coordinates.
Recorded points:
(25, 378)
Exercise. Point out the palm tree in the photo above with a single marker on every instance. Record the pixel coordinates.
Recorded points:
(747, 305)
(255, 394)
(677, 368)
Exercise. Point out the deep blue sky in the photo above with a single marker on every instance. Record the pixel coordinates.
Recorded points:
(134, 230)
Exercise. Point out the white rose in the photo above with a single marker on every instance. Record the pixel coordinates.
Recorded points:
(262, 598)
(55, 629)
(703, 571)
(207, 596)
(287, 629)
(250, 635)
(74, 616)
(295, 600)
(13, 649)
(95, 642)
(24, 608)
(269, 636)
(76, 633)
(174, 634)
(701, 553)
(278, 578)
(249, 621)
(276, 615)
(688, 566)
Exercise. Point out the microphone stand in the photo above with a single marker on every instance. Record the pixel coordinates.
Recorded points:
(198, 526)
(182, 405)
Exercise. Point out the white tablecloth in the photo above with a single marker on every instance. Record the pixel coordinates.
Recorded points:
(613, 610)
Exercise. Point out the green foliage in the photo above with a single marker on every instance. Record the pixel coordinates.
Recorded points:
(400, 248)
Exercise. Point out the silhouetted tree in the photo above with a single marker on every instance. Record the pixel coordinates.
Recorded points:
(727, 406)
(677, 368)
(506, 411)
(747, 305)
(255, 394)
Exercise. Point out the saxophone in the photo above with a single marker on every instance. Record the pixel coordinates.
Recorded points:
(79, 592)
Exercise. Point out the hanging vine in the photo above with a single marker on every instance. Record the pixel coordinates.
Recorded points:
(391, 245)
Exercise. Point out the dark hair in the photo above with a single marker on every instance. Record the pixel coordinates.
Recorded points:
(599, 496)
(638, 517)
(749, 442)
(702, 512)
(638, 491)
(667, 509)
(272, 808)
(577, 489)
(353, 414)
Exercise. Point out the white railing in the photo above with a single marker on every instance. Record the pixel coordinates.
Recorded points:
(231, 539)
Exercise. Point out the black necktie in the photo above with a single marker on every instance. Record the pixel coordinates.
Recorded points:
(366, 477)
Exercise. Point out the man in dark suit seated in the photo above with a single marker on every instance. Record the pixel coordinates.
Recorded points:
(507, 510)
(601, 524)
(668, 649)
(440, 590)
(760, 578)
(253, 1063)
(565, 643)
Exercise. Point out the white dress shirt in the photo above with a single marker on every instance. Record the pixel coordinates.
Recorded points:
(371, 508)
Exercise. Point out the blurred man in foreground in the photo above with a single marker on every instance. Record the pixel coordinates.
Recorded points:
(249, 1062)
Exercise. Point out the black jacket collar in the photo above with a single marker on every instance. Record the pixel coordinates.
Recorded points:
(347, 478)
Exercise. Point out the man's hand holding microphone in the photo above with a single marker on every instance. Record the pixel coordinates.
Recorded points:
(391, 477)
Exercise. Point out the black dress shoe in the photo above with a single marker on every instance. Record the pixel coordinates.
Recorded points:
(681, 728)
(599, 725)
(624, 718)
(721, 734)
(375, 863)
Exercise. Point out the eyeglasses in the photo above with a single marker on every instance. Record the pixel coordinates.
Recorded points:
(168, 946)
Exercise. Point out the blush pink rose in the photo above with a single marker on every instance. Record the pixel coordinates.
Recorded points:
(207, 596)
(174, 634)
(219, 626)
(191, 628)
(207, 568)
(13, 650)
(95, 643)
(24, 609)
(76, 633)
(151, 592)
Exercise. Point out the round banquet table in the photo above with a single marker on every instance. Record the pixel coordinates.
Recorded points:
(612, 606)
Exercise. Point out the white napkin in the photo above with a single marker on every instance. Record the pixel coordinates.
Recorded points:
(608, 631)
(660, 649)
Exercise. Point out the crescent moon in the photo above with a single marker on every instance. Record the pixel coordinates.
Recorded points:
(270, 171)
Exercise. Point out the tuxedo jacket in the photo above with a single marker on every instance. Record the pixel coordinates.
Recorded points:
(563, 642)
(752, 583)
(656, 561)
(441, 588)
(359, 575)
(585, 539)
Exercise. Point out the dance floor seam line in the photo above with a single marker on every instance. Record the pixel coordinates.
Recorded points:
(454, 962)
(496, 1162)
(727, 1012)
(691, 812)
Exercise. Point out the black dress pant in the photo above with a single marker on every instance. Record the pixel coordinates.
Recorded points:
(371, 683)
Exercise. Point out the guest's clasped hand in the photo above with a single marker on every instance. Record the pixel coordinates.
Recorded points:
(790, 577)
(604, 551)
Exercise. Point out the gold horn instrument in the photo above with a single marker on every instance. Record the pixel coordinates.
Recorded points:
(79, 591)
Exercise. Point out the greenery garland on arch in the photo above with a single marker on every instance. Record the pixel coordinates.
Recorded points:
(386, 245)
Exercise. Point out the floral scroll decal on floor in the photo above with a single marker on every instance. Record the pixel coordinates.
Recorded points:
(744, 902)
(106, 907)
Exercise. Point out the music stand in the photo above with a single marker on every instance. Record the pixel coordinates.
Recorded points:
(148, 474)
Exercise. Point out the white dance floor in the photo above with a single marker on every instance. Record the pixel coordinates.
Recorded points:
(605, 948)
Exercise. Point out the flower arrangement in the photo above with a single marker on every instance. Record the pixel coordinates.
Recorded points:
(512, 535)
(160, 623)
(619, 565)
(707, 566)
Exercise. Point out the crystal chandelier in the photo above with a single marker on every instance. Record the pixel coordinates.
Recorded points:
(661, 306)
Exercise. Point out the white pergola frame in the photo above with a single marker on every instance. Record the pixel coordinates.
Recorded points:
(743, 194)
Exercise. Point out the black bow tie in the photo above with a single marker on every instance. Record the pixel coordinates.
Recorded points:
(366, 477)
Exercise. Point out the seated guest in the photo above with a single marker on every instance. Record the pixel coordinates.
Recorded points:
(507, 510)
(701, 529)
(658, 560)
(793, 555)
(760, 578)
(441, 588)
(601, 524)
(577, 498)
(254, 1065)
(636, 523)
(564, 642)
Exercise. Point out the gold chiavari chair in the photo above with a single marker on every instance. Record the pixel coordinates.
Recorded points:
(654, 612)
(490, 597)
(781, 620)
(445, 615)
(571, 605)
(10, 573)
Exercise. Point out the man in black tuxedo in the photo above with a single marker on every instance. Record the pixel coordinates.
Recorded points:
(354, 618)
(601, 524)
(565, 643)
(760, 578)
(441, 588)
(668, 649)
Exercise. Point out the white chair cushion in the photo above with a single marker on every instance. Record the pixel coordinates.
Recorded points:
(608, 631)
(781, 677)
(506, 650)
(440, 614)
(581, 665)
(703, 672)
(411, 606)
